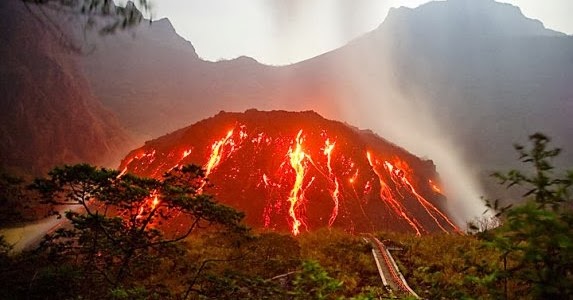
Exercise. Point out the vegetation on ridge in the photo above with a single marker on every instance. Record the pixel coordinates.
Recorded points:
(116, 247)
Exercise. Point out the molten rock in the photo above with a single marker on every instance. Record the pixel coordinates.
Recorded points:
(297, 171)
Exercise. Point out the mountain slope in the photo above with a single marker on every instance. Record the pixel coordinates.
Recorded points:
(157, 86)
(490, 75)
(298, 171)
(49, 116)
(476, 73)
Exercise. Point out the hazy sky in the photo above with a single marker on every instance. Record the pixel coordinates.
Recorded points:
(287, 31)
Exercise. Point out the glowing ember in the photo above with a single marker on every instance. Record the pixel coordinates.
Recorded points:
(155, 202)
(149, 205)
(353, 178)
(434, 186)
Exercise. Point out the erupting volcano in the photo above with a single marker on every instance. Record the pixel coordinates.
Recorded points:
(297, 171)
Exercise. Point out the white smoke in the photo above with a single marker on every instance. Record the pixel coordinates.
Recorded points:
(401, 114)
(394, 110)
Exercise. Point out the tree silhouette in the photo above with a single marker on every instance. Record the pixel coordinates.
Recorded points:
(536, 238)
(119, 230)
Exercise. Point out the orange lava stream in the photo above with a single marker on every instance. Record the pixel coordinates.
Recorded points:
(328, 147)
(296, 156)
(216, 154)
(386, 195)
(397, 173)
(186, 153)
(122, 171)
(149, 204)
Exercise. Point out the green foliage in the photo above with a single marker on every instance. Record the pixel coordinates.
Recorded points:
(115, 246)
(313, 282)
(444, 265)
(230, 266)
(346, 257)
(271, 265)
(115, 235)
(536, 239)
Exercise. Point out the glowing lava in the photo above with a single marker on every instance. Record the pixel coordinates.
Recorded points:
(155, 202)
(296, 198)
(400, 175)
(216, 153)
(149, 205)
(186, 153)
(317, 177)
(386, 194)
(328, 147)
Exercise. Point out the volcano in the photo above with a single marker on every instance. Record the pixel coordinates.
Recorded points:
(297, 171)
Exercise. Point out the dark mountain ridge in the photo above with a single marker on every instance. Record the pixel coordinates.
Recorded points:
(49, 115)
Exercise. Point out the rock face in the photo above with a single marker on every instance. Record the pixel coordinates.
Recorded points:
(489, 75)
(49, 114)
(297, 171)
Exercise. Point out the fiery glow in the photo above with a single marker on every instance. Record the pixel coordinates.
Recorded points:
(149, 204)
(122, 172)
(434, 186)
(386, 194)
(266, 180)
(296, 156)
(430, 209)
(335, 195)
(155, 202)
(328, 147)
(216, 154)
(322, 179)
(354, 177)
(328, 151)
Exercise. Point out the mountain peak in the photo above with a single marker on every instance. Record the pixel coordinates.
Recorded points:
(164, 25)
(454, 17)
(162, 32)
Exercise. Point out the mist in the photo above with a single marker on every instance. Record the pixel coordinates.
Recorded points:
(396, 112)
(408, 121)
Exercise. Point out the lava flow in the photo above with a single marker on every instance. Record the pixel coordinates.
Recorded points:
(328, 147)
(296, 199)
(400, 177)
(216, 154)
(296, 171)
(386, 195)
